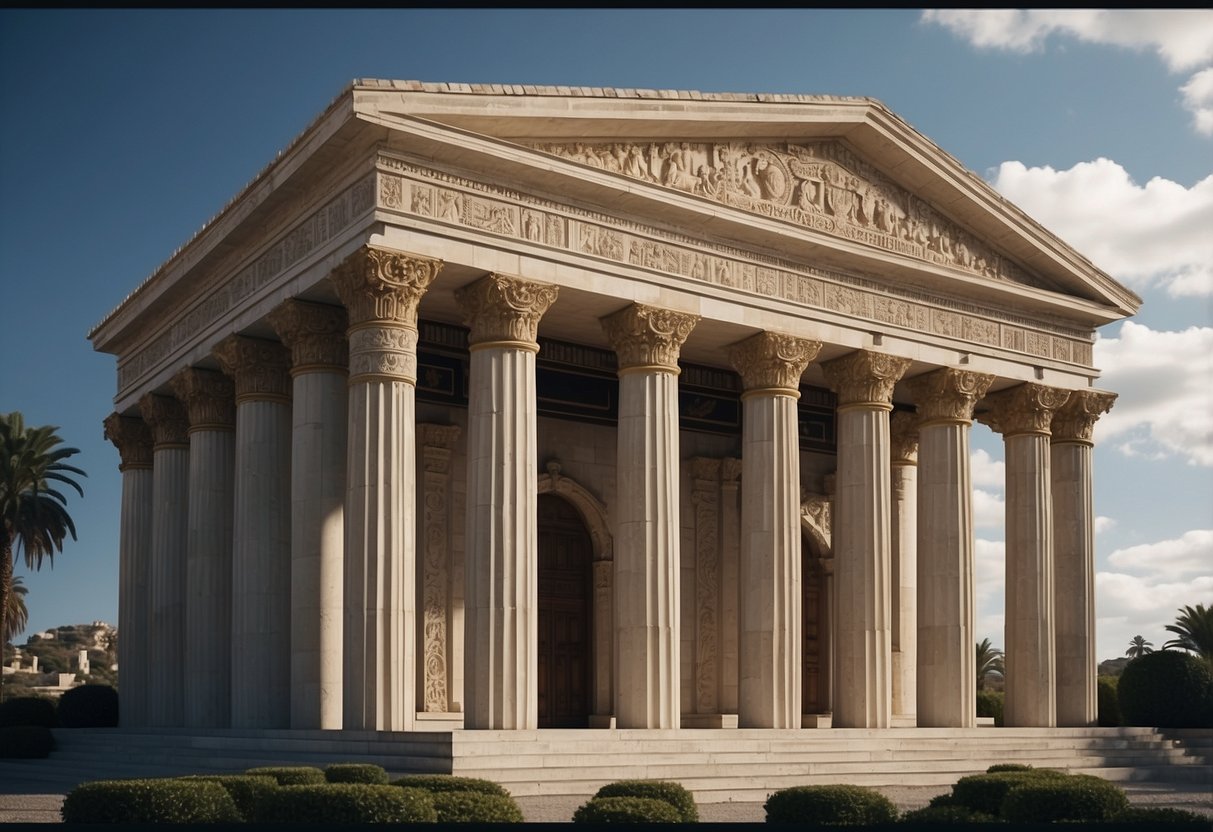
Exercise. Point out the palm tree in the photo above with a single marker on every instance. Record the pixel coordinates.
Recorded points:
(1194, 626)
(1138, 646)
(989, 660)
(35, 515)
(17, 615)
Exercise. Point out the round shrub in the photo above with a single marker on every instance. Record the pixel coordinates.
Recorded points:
(626, 810)
(946, 814)
(28, 710)
(672, 793)
(1081, 797)
(26, 742)
(1109, 705)
(248, 791)
(829, 805)
(449, 783)
(89, 706)
(475, 807)
(1159, 814)
(996, 768)
(291, 775)
(356, 773)
(991, 703)
(339, 803)
(149, 801)
(1166, 689)
(985, 792)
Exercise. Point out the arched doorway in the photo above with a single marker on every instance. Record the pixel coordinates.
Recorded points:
(565, 624)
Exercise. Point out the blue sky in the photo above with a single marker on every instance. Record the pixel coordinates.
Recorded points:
(126, 131)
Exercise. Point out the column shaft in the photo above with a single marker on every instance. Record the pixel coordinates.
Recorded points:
(904, 582)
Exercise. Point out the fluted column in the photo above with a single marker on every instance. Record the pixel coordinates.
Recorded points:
(947, 676)
(1074, 555)
(208, 399)
(903, 561)
(315, 334)
(863, 690)
(770, 365)
(1023, 414)
(647, 598)
(261, 532)
(502, 556)
(381, 290)
(133, 440)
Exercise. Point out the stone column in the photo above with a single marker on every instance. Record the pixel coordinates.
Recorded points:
(1074, 555)
(315, 334)
(903, 475)
(166, 573)
(947, 676)
(863, 688)
(647, 598)
(770, 365)
(208, 399)
(381, 290)
(1023, 414)
(133, 440)
(261, 532)
(502, 555)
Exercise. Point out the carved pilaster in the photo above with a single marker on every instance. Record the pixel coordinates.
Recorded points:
(1024, 409)
(314, 333)
(772, 363)
(259, 368)
(1075, 420)
(133, 439)
(436, 443)
(380, 286)
(505, 311)
(903, 437)
(948, 395)
(730, 597)
(646, 337)
(209, 398)
(705, 497)
(865, 378)
(167, 420)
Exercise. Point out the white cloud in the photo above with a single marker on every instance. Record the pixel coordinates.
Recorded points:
(1130, 605)
(1198, 98)
(990, 595)
(1104, 524)
(1142, 235)
(989, 510)
(1190, 554)
(1165, 407)
(987, 471)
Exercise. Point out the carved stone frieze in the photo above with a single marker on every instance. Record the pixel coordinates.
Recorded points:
(1024, 408)
(167, 420)
(1075, 420)
(498, 308)
(209, 398)
(647, 336)
(133, 439)
(948, 395)
(383, 352)
(377, 285)
(314, 333)
(260, 368)
(864, 377)
(903, 437)
(773, 362)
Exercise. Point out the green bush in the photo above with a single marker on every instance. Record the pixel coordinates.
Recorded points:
(248, 791)
(842, 805)
(355, 773)
(475, 807)
(26, 742)
(946, 814)
(672, 793)
(28, 710)
(449, 783)
(1001, 767)
(291, 775)
(348, 803)
(990, 703)
(1159, 814)
(626, 810)
(985, 792)
(1166, 689)
(89, 706)
(149, 801)
(1109, 705)
(1080, 797)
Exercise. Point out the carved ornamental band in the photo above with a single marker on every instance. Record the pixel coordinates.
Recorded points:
(132, 438)
(209, 398)
(167, 420)
(646, 337)
(260, 368)
(1075, 420)
(315, 334)
(504, 311)
(948, 396)
(1024, 409)
(772, 364)
(865, 378)
(380, 286)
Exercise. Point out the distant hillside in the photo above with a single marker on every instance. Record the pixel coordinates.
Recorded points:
(1113, 667)
(58, 651)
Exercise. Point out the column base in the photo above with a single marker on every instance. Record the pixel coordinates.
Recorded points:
(709, 721)
(602, 721)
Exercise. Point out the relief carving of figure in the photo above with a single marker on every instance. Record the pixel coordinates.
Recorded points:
(633, 164)
(449, 207)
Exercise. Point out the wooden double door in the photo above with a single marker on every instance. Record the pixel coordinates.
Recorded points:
(565, 620)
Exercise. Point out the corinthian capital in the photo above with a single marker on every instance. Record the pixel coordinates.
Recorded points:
(1025, 408)
(260, 368)
(865, 377)
(132, 438)
(646, 336)
(209, 398)
(903, 437)
(773, 363)
(167, 420)
(383, 286)
(1075, 420)
(504, 310)
(314, 333)
(948, 395)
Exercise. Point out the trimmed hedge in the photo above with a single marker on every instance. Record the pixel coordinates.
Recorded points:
(475, 807)
(291, 775)
(991, 703)
(946, 814)
(149, 801)
(449, 783)
(985, 792)
(1166, 689)
(26, 742)
(626, 810)
(356, 773)
(672, 793)
(1109, 705)
(1080, 797)
(28, 710)
(89, 706)
(1160, 814)
(348, 803)
(248, 791)
(829, 805)
(1001, 767)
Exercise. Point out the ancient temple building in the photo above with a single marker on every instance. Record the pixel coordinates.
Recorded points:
(521, 407)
